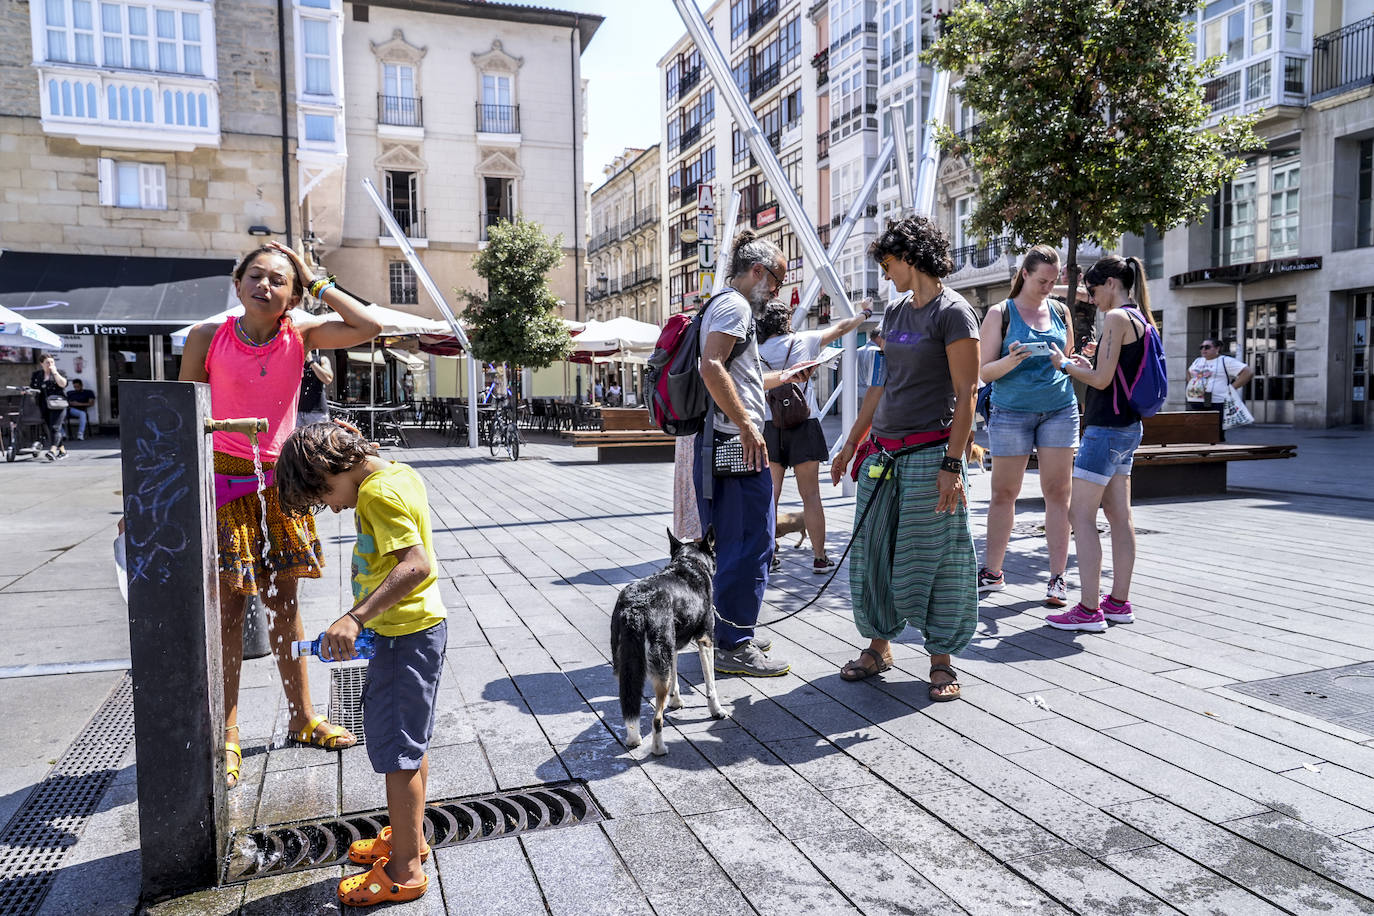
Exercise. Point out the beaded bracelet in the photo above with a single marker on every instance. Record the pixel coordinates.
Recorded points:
(320, 284)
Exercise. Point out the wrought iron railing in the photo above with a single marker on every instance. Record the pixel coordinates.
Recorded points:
(498, 119)
(411, 221)
(1343, 60)
(761, 14)
(400, 111)
(980, 256)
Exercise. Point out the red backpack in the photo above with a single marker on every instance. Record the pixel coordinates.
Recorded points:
(677, 397)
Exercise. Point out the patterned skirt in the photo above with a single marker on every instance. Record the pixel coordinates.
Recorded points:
(245, 567)
(910, 564)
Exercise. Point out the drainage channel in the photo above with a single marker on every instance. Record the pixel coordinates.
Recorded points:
(284, 848)
(44, 830)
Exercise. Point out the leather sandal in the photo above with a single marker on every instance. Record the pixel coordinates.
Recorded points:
(231, 773)
(336, 739)
(373, 887)
(857, 670)
(936, 695)
(365, 852)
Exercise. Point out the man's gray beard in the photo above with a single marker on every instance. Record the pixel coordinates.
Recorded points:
(759, 298)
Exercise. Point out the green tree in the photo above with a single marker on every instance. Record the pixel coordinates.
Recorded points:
(516, 320)
(1092, 118)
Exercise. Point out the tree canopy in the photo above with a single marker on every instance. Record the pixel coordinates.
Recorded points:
(516, 320)
(1092, 117)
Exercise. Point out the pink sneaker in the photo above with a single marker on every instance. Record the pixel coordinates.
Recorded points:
(1079, 618)
(1117, 611)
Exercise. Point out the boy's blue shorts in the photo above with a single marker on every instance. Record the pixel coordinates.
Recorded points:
(400, 697)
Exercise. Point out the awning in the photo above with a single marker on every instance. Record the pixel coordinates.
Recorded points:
(1228, 274)
(378, 358)
(112, 294)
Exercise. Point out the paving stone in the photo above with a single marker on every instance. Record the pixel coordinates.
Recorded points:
(995, 827)
(974, 880)
(774, 876)
(1186, 885)
(822, 764)
(492, 877)
(672, 867)
(299, 794)
(690, 783)
(1272, 877)
(899, 764)
(1090, 783)
(1252, 781)
(616, 780)
(1329, 856)
(521, 763)
(1086, 885)
(579, 873)
(872, 876)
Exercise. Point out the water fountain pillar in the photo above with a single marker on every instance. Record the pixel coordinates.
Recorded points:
(174, 633)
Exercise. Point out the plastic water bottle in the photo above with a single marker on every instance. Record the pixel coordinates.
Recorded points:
(363, 647)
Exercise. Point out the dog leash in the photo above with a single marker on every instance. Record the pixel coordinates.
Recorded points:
(887, 460)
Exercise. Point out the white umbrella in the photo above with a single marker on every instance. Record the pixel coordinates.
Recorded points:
(394, 323)
(18, 331)
(623, 335)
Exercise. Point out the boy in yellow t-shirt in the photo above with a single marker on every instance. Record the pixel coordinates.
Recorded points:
(395, 593)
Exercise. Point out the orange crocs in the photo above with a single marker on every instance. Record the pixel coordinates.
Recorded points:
(373, 887)
(365, 852)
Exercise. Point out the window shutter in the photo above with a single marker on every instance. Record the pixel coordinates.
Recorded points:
(105, 181)
(152, 187)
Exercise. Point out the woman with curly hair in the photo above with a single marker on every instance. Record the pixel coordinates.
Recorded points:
(913, 557)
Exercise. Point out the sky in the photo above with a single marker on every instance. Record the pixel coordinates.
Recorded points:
(621, 67)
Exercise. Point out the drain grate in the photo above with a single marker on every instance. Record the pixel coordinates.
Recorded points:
(268, 851)
(44, 830)
(346, 684)
(1343, 696)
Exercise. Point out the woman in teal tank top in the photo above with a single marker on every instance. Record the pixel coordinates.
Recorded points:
(1033, 407)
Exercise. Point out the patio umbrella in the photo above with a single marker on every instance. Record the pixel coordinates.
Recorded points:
(18, 331)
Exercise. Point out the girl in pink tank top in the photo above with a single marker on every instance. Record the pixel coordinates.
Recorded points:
(253, 364)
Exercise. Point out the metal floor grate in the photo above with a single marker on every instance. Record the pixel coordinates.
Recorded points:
(346, 684)
(1343, 696)
(52, 818)
(264, 852)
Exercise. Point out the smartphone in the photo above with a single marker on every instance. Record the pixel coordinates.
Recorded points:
(1037, 348)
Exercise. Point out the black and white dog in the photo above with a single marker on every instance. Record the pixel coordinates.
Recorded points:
(653, 619)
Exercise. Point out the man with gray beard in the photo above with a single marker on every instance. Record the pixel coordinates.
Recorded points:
(740, 508)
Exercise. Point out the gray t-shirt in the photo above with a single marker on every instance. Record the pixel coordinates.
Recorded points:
(731, 314)
(918, 394)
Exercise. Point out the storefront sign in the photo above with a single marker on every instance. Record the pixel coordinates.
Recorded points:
(766, 216)
(1246, 273)
(76, 359)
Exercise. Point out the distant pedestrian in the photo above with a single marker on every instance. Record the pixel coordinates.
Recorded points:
(253, 364)
(613, 396)
(740, 505)
(1111, 434)
(396, 595)
(913, 560)
(52, 403)
(598, 391)
(1214, 378)
(1033, 408)
(313, 406)
(802, 447)
(79, 401)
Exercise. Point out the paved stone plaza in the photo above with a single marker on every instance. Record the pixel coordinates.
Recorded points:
(1126, 772)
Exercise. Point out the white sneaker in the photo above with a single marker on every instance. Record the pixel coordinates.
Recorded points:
(1057, 593)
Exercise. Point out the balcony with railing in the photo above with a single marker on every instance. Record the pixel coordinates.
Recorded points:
(1276, 80)
(821, 61)
(410, 219)
(689, 195)
(485, 220)
(688, 137)
(602, 239)
(823, 146)
(761, 14)
(977, 265)
(687, 81)
(124, 107)
(498, 119)
(1343, 60)
(764, 80)
(646, 216)
(399, 111)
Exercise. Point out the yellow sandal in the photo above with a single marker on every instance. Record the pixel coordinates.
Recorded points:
(231, 773)
(337, 739)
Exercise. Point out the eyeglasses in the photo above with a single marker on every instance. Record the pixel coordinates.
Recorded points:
(777, 281)
(1207, 346)
(888, 259)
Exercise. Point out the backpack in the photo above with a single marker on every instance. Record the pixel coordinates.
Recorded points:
(677, 397)
(1147, 393)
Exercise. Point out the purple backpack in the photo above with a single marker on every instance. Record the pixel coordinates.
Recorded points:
(1150, 388)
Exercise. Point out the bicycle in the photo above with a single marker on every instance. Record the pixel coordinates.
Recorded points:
(503, 433)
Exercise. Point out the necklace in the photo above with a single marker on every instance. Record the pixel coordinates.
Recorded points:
(262, 363)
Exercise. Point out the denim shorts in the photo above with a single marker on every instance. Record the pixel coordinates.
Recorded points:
(1015, 432)
(1106, 451)
(400, 696)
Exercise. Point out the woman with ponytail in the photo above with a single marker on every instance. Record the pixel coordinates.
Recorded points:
(1033, 407)
(1111, 434)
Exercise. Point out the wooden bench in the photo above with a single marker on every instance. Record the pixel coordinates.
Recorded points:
(1181, 454)
(625, 435)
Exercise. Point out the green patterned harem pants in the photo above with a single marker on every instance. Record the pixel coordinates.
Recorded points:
(910, 564)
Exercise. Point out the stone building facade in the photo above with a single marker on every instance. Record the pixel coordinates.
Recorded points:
(624, 271)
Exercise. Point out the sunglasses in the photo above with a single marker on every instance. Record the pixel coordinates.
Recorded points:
(1207, 346)
(886, 261)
